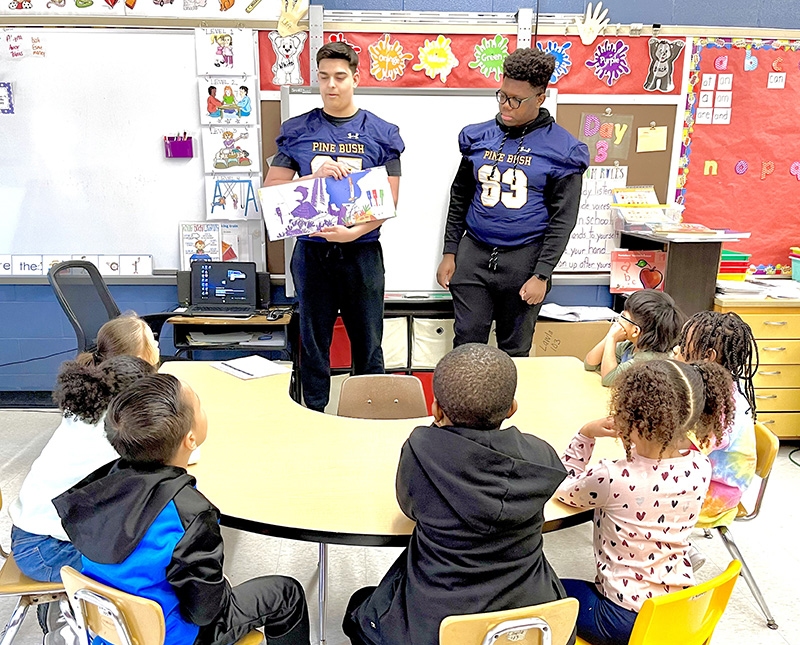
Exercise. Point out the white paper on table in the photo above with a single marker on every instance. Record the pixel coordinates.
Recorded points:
(250, 367)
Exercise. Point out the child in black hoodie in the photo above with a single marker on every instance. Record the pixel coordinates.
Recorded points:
(141, 526)
(477, 493)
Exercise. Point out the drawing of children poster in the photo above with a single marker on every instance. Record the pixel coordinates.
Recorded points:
(222, 50)
(230, 148)
(226, 101)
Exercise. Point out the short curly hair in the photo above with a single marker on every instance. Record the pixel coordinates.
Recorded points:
(84, 391)
(531, 65)
(474, 386)
(663, 400)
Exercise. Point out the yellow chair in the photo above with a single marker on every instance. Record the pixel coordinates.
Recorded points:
(382, 396)
(767, 445)
(29, 592)
(551, 623)
(686, 617)
(118, 617)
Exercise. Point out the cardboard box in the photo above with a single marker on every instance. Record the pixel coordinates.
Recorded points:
(567, 338)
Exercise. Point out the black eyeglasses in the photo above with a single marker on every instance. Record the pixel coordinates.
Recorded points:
(513, 101)
(625, 318)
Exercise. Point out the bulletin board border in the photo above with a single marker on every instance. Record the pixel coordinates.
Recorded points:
(692, 95)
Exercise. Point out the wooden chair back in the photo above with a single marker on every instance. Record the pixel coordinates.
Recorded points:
(382, 396)
(551, 623)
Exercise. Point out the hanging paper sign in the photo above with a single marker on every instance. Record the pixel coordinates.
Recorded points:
(387, 60)
(663, 54)
(286, 69)
(608, 136)
(610, 61)
(436, 58)
(6, 99)
(559, 52)
(489, 56)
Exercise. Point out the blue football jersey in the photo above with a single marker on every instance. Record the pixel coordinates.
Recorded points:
(508, 208)
(363, 142)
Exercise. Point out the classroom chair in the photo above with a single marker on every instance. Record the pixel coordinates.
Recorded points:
(28, 592)
(118, 617)
(87, 302)
(550, 623)
(688, 617)
(767, 445)
(382, 396)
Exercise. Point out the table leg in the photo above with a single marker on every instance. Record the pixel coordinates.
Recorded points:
(323, 591)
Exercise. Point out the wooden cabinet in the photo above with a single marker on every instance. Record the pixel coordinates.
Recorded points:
(776, 327)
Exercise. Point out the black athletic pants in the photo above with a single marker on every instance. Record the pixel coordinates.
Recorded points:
(276, 603)
(330, 278)
(485, 287)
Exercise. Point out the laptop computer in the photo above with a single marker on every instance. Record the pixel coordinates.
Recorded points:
(222, 289)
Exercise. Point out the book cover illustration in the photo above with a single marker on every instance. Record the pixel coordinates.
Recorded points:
(199, 241)
(636, 270)
(308, 206)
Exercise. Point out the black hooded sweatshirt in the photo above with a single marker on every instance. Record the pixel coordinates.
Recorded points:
(478, 498)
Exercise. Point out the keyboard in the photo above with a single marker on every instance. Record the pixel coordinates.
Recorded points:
(220, 310)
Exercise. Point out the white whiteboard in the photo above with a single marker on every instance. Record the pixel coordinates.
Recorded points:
(82, 168)
(429, 122)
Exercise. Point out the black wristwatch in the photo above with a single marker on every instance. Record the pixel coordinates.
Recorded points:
(541, 277)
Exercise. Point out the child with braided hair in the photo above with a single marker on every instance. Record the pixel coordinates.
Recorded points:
(645, 505)
(727, 340)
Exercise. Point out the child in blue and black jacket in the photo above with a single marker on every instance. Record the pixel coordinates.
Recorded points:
(141, 526)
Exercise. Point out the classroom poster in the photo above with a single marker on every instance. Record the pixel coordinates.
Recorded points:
(224, 51)
(230, 148)
(199, 241)
(592, 240)
(607, 135)
(226, 100)
(232, 196)
(308, 206)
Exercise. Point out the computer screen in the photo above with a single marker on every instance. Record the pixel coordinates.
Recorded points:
(224, 283)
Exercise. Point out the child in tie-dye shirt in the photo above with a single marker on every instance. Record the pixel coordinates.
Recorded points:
(728, 340)
(645, 505)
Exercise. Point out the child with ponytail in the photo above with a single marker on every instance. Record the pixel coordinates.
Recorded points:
(647, 504)
(77, 448)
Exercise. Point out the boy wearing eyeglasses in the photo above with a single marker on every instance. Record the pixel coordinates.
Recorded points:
(647, 329)
(513, 205)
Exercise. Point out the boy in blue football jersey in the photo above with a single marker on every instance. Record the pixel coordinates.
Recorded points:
(341, 267)
(513, 205)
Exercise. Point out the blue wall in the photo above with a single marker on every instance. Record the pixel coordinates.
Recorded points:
(32, 324)
(779, 14)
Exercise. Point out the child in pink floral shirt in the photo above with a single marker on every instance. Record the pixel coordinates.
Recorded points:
(646, 505)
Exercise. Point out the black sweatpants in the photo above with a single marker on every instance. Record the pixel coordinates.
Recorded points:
(485, 287)
(276, 603)
(330, 278)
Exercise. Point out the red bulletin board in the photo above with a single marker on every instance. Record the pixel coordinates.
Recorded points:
(744, 175)
(474, 60)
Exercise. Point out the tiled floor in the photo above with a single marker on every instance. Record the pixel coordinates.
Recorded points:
(770, 544)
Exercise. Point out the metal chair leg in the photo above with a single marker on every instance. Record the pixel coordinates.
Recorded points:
(727, 538)
(13, 625)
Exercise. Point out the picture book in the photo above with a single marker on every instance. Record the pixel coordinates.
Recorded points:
(636, 270)
(199, 241)
(682, 228)
(308, 206)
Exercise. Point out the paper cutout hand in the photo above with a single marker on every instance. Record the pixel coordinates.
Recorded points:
(291, 14)
(592, 23)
